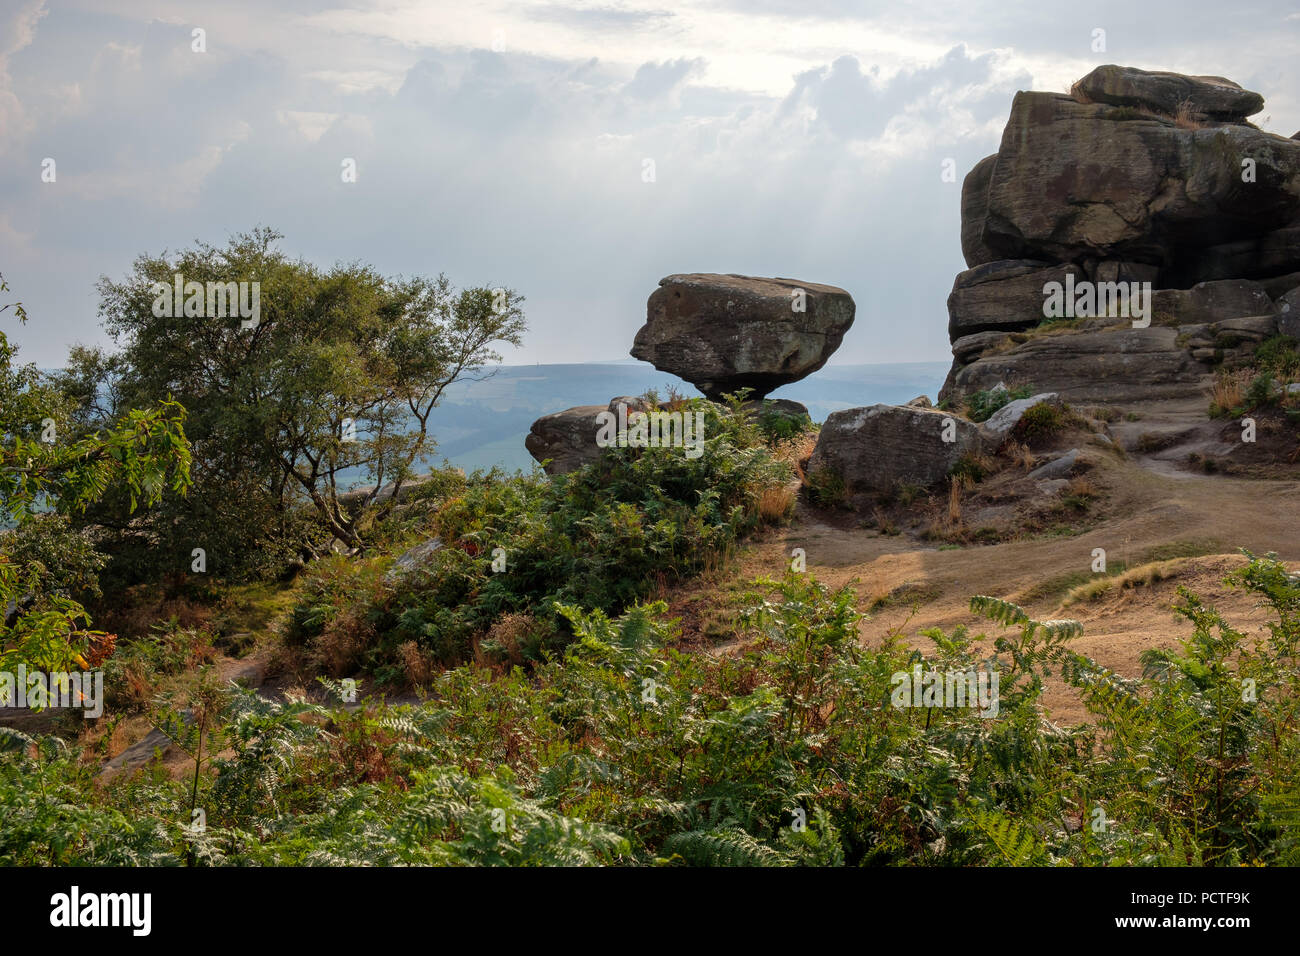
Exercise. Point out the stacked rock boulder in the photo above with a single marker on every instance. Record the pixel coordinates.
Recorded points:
(721, 333)
(1133, 177)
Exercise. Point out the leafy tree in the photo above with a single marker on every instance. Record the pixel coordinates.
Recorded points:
(45, 465)
(334, 355)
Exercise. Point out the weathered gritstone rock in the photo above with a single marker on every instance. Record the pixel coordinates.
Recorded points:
(1115, 365)
(1006, 295)
(776, 407)
(1058, 467)
(722, 333)
(970, 347)
(413, 558)
(567, 438)
(974, 210)
(1137, 177)
(1087, 179)
(1209, 302)
(1200, 97)
(1271, 254)
(875, 447)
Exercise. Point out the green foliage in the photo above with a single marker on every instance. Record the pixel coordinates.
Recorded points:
(46, 465)
(982, 404)
(778, 427)
(971, 468)
(1278, 357)
(827, 488)
(600, 537)
(1040, 423)
(792, 752)
(333, 386)
(1261, 392)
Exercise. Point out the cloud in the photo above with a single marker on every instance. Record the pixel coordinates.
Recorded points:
(17, 31)
(794, 139)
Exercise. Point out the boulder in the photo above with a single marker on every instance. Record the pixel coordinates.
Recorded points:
(567, 438)
(1006, 295)
(876, 447)
(1058, 467)
(1074, 180)
(412, 558)
(1197, 97)
(1278, 286)
(974, 210)
(1000, 424)
(722, 333)
(777, 407)
(353, 498)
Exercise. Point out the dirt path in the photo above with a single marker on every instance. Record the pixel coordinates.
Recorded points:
(1154, 509)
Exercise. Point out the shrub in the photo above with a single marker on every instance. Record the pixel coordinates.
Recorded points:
(1040, 423)
(827, 488)
(602, 537)
(980, 405)
(623, 751)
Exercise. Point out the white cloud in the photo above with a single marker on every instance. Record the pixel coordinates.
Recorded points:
(790, 137)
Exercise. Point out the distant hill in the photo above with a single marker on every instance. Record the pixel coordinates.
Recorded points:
(481, 424)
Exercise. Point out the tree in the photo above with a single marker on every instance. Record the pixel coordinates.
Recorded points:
(331, 383)
(47, 465)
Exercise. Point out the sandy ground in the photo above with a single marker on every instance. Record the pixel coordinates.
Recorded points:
(1152, 503)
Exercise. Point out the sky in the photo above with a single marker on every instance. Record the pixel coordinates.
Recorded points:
(512, 143)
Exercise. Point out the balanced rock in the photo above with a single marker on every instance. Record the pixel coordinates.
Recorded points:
(876, 447)
(722, 333)
(1198, 97)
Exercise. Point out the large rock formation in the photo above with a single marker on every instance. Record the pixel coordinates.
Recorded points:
(1136, 177)
(726, 332)
(876, 447)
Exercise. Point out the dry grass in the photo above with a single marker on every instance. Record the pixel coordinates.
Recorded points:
(507, 638)
(954, 502)
(1143, 575)
(776, 505)
(1020, 454)
(418, 666)
(1185, 117)
(1082, 488)
(797, 449)
(1229, 389)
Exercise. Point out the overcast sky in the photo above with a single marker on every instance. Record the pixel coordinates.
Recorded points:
(504, 143)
